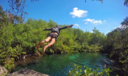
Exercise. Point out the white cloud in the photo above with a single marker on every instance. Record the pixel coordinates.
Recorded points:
(94, 21)
(122, 27)
(115, 28)
(76, 25)
(104, 21)
(78, 13)
(91, 31)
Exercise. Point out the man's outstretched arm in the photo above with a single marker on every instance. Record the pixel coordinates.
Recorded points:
(65, 27)
(47, 29)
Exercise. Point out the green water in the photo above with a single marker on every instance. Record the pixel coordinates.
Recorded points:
(59, 65)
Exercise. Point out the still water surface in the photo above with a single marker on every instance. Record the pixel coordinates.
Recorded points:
(59, 65)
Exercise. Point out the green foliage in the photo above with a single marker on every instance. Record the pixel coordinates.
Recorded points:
(77, 71)
(2, 18)
(117, 46)
(9, 63)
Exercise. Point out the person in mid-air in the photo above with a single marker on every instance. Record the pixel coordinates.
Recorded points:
(53, 36)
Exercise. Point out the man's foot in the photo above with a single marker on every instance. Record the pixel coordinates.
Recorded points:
(37, 47)
(44, 54)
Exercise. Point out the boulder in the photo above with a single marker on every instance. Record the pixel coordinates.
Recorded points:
(26, 72)
(3, 71)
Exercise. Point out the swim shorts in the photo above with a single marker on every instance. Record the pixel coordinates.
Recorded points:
(53, 35)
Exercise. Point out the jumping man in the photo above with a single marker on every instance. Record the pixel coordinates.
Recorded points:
(53, 36)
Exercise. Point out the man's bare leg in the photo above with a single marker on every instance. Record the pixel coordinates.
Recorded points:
(45, 40)
(50, 44)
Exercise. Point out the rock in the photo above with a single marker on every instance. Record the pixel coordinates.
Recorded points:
(22, 57)
(26, 72)
(3, 71)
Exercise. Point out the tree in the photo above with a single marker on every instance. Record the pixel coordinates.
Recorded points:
(124, 24)
(126, 2)
(2, 18)
(17, 10)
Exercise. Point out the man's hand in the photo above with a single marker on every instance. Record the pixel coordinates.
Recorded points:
(71, 25)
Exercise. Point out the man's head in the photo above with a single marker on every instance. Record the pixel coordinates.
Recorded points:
(57, 26)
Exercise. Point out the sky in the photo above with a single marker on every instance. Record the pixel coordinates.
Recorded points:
(104, 16)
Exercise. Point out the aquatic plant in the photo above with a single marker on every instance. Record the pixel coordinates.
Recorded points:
(77, 71)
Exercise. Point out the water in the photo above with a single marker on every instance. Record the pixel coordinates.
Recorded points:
(59, 65)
